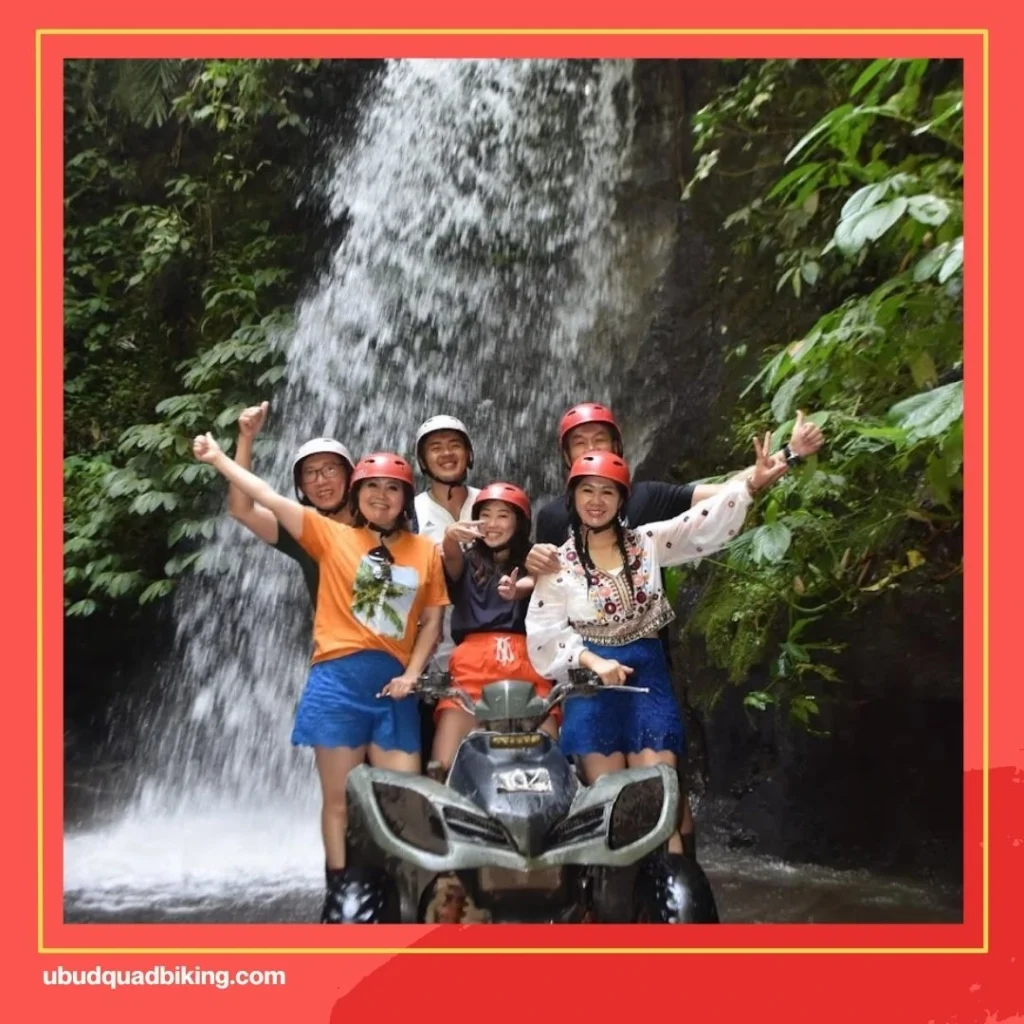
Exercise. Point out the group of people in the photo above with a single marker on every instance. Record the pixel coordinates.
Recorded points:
(459, 575)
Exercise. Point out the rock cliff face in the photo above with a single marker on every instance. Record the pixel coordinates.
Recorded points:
(884, 787)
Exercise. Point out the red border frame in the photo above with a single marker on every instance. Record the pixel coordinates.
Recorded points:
(315, 980)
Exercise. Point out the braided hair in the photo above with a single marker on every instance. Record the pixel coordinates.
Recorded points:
(583, 549)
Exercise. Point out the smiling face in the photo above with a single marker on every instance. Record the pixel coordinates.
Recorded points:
(590, 437)
(323, 479)
(381, 501)
(446, 455)
(597, 501)
(497, 523)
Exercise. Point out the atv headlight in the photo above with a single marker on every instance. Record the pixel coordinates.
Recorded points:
(411, 817)
(636, 811)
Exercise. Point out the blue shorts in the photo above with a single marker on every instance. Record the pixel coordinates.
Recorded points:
(613, 722)
(339, 706)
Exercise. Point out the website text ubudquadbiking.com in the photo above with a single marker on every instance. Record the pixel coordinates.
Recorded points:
(161, 975)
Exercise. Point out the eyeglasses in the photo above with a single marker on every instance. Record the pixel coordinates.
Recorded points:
(381, 561)
(328, 472)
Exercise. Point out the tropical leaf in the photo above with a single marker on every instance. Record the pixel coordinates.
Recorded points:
(930, 413)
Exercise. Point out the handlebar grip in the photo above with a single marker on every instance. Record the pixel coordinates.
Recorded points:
(584, 677)
(434, 680)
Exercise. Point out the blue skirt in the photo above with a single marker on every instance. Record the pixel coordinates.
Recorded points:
(339, 706)
(614, 722)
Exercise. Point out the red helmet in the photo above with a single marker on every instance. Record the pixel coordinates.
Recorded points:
(383, 464)
(503, 492)
(603, 464)
(588, 412)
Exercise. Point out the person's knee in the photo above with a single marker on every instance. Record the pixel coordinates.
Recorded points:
(395, 760)
(443, 755)
(453, 728)
(334, 804)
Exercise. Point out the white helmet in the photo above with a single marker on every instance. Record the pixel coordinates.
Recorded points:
(320, 446)
(436, 423)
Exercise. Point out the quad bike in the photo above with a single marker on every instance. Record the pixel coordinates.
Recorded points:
(515, 825)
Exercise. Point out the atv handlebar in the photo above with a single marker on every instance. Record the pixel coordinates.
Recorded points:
(435, 686)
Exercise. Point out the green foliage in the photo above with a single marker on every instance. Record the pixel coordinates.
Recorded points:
(184, 247)
(372, 595)
(863, 224)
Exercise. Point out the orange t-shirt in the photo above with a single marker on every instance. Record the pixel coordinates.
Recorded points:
(358, 608)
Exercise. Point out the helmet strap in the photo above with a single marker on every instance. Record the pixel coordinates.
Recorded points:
(335, 510)
(450, 484)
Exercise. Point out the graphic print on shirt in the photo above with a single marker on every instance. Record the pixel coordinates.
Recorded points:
(383, 595)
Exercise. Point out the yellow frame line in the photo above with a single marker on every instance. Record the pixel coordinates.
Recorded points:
(517, 950)
(984, 493)
(39, 486)
(42, 948)
(512, 32)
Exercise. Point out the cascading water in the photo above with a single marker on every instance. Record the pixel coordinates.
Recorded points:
(478, 276)
(488, 271)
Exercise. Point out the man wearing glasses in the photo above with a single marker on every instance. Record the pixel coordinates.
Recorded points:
(321, 471)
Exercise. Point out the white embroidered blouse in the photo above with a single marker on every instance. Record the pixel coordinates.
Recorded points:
(565, 612)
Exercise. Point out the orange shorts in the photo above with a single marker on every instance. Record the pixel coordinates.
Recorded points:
(484, 658)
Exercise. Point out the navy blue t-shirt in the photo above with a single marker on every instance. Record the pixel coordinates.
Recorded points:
(289, 546)
(478, 608)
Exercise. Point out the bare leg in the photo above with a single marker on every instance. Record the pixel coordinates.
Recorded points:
(686, 826)
(550, 726)
(453, 726)
(394, 760)
(649, 758)
(333, 765)
(596, 765)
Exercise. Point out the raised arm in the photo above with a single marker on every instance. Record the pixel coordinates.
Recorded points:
(289, 513)
(260, 521)
(711, 524)
(705, 492)
(543, 556)
(451, 547)
(805, 439)
(705, 528)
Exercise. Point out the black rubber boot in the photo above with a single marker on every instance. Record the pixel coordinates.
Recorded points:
(672, 889)
(358, 895)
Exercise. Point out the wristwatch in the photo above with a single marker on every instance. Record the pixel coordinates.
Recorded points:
(792, 459)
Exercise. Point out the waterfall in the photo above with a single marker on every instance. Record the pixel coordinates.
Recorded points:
(479, 274)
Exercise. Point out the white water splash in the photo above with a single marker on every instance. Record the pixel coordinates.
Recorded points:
(477, 276)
